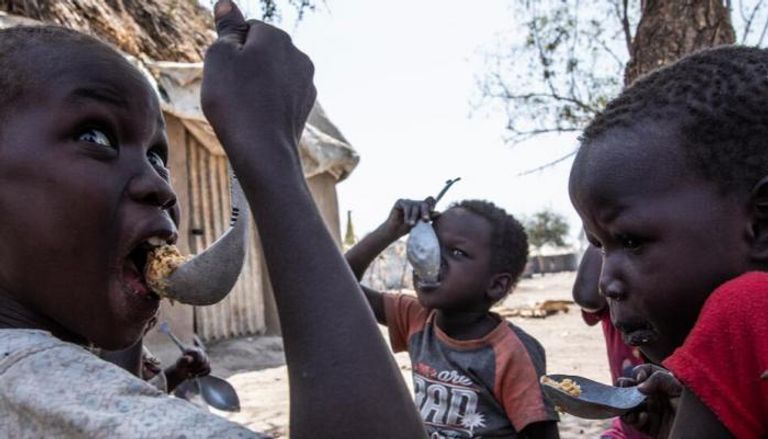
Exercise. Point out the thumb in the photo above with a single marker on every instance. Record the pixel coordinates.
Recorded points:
(230, 23)
(661, 383)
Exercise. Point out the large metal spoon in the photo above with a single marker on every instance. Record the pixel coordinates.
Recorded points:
(596, 401)
(208, 277)
(216, 392)
(423, 248)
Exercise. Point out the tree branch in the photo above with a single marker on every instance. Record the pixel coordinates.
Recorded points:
(622, 13)
(519, 136)
(550, 164)
(749, 19)
(625, 25)
(554, 96)
(762, 34)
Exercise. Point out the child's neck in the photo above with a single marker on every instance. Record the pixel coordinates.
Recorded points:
(14, 315)
(466, 325)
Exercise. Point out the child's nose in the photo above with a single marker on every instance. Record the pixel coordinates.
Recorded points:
(150, 188)
(610, 285)
(612, 290)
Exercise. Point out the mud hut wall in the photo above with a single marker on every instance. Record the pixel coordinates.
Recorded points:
(323, 189)
(180, 317)
(200, 179)
(208, 213)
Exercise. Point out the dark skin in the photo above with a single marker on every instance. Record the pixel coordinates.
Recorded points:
(82, 183)
(657, 236)
(586, 293)
(258, 110)
(81, 173)
(192, 363)
(467, 286)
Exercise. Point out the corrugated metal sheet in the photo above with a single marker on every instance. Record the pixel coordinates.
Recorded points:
(208, 213)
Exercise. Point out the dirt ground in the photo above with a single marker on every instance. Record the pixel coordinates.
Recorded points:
(255, 365)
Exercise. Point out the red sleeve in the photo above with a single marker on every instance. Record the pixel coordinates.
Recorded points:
(517, 384)
(725, 354)
(405, 316)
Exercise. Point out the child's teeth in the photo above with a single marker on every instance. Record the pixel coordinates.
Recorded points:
(155, 241)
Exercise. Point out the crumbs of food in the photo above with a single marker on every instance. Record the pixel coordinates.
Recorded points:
(161, 263)
(567, 385)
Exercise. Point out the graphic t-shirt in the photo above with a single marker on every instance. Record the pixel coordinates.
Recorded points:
(725, 357)
(481, 388)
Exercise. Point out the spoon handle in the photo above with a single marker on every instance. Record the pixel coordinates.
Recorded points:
(165, 329)
(447, 186)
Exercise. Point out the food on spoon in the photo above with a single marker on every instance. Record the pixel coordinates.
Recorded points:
(567, 385)
(162, 261)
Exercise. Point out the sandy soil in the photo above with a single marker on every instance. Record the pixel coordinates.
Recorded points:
(255, 365)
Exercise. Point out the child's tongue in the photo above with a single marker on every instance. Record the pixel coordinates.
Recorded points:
(134, 279)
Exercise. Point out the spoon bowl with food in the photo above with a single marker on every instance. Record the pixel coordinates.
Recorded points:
(589, 399)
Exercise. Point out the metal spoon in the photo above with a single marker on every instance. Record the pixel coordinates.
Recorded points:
(596, 401)
(208, 277)
(423, 247)
(216, 392)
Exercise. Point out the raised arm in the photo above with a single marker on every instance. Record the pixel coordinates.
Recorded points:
(257, 94)
(402, 217)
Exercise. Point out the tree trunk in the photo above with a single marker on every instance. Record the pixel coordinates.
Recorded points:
(669, 29)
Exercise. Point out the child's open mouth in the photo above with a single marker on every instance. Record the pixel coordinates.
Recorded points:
(639, 336)
(134, 268)
(425, 286)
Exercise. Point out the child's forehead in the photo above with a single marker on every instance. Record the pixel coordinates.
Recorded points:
(97, 78)
(643, 157)
(80, 62)
(460, 221)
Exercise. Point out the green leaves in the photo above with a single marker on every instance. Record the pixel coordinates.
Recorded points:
(546, 228)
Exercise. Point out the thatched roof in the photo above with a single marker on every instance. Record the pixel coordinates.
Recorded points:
(323, 148)
(167, 30)
(168, 38)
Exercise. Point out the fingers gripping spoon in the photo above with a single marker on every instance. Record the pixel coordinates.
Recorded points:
(216, 392)
(423, 247)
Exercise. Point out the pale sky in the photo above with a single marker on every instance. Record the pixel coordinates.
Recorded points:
(398, 78)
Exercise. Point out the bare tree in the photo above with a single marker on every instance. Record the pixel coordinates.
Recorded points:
(576, 55)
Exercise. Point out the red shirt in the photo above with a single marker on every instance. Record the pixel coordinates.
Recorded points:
(726, 353)
(622, 358)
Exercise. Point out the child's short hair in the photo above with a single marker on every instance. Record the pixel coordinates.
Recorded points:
(16, 77)
(719, 98)
(509, 243)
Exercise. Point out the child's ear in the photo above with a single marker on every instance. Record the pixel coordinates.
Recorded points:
(499, 286)
(758, 228)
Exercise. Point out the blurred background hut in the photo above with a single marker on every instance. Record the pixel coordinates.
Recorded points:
(167, 40)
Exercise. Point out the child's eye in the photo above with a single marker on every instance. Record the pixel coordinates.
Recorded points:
(595, 243)
(98, 137)
(630, 242)
(457, 252)
(156, 159)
